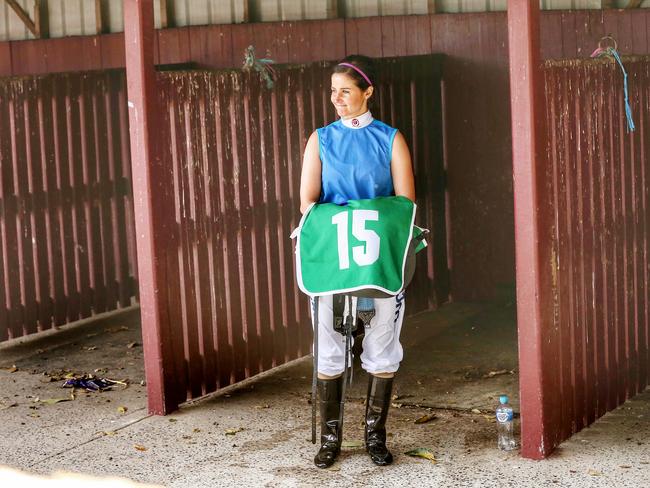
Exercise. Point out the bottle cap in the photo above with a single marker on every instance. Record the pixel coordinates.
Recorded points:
(503, 399)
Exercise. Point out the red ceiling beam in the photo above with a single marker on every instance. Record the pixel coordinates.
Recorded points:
(101, 14)
(166, 14)
(41, 19)
(24, 16)
(40, 26)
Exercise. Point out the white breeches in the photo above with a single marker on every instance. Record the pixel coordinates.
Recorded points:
(382, 351)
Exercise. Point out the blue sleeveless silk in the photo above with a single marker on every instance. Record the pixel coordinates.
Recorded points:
(355, 162)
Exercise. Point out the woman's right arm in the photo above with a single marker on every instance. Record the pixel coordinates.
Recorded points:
(310, 179)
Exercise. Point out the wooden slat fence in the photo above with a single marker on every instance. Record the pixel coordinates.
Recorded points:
(66, 210)
(597, 344)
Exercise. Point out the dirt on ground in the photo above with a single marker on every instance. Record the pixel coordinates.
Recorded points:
(457, 361)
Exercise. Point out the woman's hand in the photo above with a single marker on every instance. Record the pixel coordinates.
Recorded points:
(310, 178)
(401, 169)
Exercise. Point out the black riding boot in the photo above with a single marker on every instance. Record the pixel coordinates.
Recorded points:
(329, 394)
(379, 393)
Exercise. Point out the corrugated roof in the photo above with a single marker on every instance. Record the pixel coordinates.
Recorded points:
(78, 17)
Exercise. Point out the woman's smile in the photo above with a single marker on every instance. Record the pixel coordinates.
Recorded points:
(348, 99)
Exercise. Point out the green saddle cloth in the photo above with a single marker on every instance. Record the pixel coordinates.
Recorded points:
(360, 248)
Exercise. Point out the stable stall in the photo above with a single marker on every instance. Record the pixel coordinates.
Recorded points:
(210, 195)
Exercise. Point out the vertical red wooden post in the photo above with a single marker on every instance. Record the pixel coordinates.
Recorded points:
(534, 222)
(150, 186)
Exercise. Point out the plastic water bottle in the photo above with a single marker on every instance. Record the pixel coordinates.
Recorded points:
(505, 430)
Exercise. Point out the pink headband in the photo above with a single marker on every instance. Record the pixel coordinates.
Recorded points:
(358, 70)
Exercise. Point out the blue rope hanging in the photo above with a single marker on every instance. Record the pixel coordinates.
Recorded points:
(628, 109)
(611, 51)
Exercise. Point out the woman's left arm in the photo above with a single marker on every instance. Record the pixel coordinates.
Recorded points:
(401, 169)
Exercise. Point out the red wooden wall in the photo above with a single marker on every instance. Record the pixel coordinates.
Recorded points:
(596, 348)
(476, 96)
(234, 149)
(66, 223)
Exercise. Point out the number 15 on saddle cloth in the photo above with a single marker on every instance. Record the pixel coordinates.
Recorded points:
(361, 246)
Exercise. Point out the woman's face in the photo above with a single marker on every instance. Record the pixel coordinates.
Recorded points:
(348, 99)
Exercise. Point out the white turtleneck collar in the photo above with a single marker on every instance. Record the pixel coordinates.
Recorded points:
(359, 122)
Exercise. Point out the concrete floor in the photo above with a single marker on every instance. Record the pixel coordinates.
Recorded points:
(258, 433)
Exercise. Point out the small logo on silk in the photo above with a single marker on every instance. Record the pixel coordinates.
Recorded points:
(355, 122)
